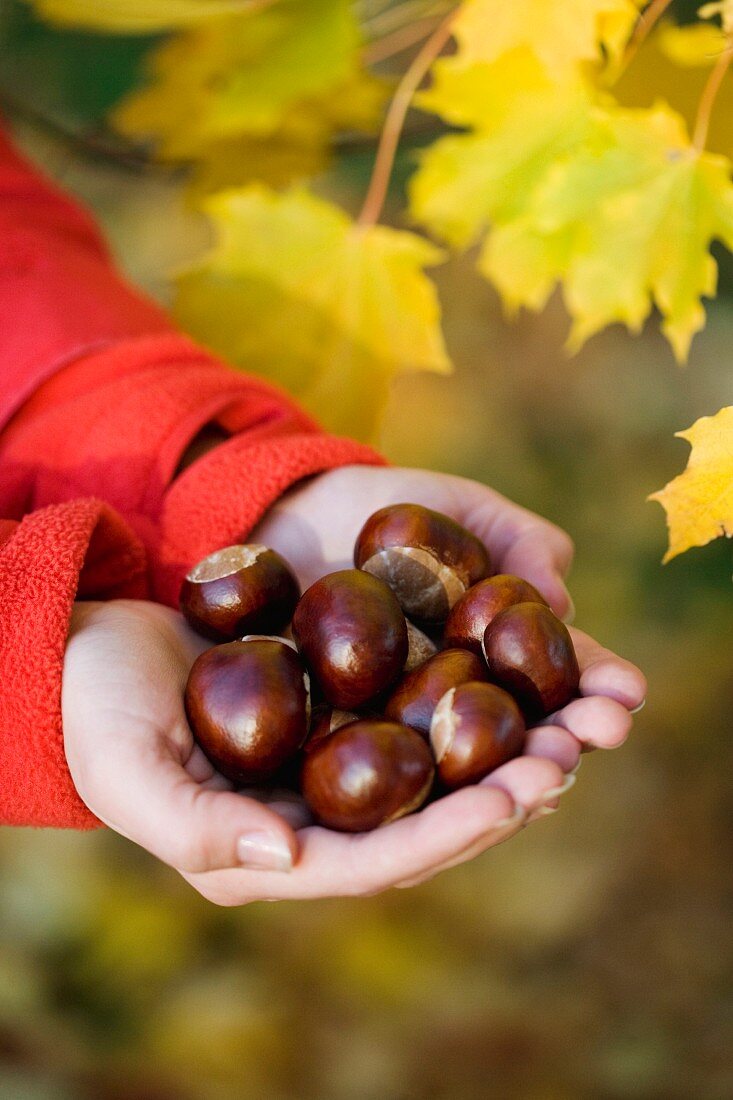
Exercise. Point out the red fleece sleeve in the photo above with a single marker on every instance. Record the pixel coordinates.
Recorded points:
(103, 396)
(45, 559)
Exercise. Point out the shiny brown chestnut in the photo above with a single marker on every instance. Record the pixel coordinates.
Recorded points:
(353, 635)
(420, 648)
(472, 613)
(476, 728)
(426, 558)
(325, 720)
(530, 653)
(245, 589)
(367, 774)
(248, 705)
(417, 693)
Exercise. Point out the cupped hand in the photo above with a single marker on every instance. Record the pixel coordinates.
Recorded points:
(315, 525)
(135, 764)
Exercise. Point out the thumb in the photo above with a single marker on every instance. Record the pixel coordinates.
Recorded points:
(155, 803)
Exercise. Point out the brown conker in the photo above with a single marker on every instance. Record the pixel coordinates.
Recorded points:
(420, 648)
(367, 774)
(417, 693)
(472, 613)
(426, 558)
(353, 635)
(244, 589)
(476, 728)
(248, 705)
(529, 652)
(325, 720)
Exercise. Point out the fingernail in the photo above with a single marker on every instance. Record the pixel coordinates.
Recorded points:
(641, 706)
(555, 792)
(569, 616)
(262, 851)
(542, 811)
(576, 769)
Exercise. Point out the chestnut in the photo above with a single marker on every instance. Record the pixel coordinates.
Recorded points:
(530, 653)
(426, 558)
(419, 648)
(245, 589)
(476, 727)
(367, 774)
(248, 705)
(325, 720)
(472, 613)
(353, 635)
(416, 694)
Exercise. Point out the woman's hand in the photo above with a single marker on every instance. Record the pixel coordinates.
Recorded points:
(135, 764)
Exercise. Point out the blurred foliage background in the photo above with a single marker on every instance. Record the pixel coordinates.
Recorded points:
(592, 955)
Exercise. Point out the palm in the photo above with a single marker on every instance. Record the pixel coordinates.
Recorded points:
(316, 525)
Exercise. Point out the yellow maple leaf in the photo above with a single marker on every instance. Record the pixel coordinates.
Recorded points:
(561, 35)
(657, 205)
(723, 8)
(695, 44)
(296, 291)
(138, 16)
(673, 65)
(562, 185)
(301, 146)
(699, 502)
(242, 75)
(522, 124)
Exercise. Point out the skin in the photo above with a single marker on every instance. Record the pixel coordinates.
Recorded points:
(134, 762)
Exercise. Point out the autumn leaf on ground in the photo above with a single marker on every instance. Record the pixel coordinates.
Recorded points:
(560, 35)
(296, 291)
(699, 503)
(138, 16)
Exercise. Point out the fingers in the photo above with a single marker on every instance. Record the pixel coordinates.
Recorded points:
(150, 797)
(603, 673)
(596, 721)
(335, 864)
(551, 742)
(523, 543)
(528, 780)
(448, 831)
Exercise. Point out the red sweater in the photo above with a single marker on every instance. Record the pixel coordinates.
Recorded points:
(99, 399)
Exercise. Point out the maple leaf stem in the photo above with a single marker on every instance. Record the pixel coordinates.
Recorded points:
(708, 97)
(646, 23)
(397, 16)
(397, 42)
(395, 120)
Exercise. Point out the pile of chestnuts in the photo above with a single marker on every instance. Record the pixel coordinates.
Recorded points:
(411, 675)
